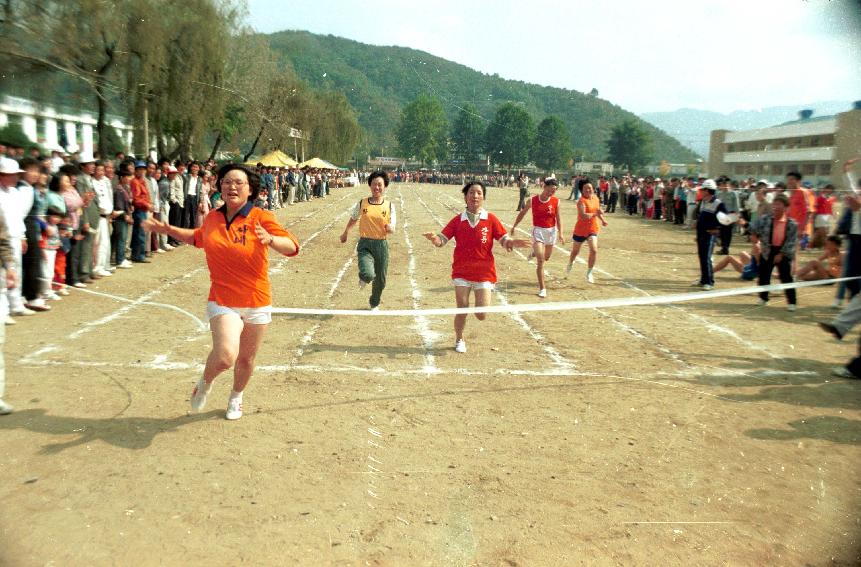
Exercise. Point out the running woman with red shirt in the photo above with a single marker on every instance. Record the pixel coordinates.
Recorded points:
(589, 222)
(236, 239)
(473, 268)
(546, 226)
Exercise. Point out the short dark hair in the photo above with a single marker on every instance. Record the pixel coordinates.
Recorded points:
(835, 239)
(253, 178)
(551, 181)
(780, 185)
(782, 198)
(29, 162)
(381, 174)
(70, 169)
(469, 184)
(54, 211)
(794, 174)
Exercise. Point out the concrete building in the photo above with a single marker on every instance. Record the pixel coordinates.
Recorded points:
(50, 126)
(814, 146)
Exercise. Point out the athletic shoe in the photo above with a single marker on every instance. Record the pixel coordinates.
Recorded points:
(362, 283)
(198, 395)
(697, 284)
(838, 303)
(589, 277)
(762, 302)
(708, 287)
(842, 372)
(63, 291)
(104, 274)
(53, 296)
(831, 329)
(542, 293)
(234, 408)
(569, 267)
(168, 247)
(374, 307)
(791, 307)
(38, 305)
(460, 346)
(159, 251)
(79, 285)
(10, 320)
(125, 265)
(23, 311)
(5, 409)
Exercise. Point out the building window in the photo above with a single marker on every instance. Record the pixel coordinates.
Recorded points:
(738, 169)
(14, 120)
(824, 169)
(763, 169)
(828, 140)
(814, 142)
(808, 169)
(776, 169)
(730, 147)
(41, 130)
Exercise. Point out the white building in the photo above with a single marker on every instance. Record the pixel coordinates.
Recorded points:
(49, 125)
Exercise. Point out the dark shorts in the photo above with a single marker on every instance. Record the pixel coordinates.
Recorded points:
(582, 239)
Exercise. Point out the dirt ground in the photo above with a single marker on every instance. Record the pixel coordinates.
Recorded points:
(705, 433)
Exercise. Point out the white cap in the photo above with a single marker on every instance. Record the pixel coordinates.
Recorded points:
(9, 166)
(710, 184)
(86, 158)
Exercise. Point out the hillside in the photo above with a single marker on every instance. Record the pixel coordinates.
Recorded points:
(692, 127)
(379, 81)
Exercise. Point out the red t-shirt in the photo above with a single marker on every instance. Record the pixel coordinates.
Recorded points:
(473, 257)
(824, 205)
(544, 214)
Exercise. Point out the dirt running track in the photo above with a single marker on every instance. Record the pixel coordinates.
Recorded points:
(706, 433)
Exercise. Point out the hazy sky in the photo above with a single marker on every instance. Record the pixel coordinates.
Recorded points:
(720, 55)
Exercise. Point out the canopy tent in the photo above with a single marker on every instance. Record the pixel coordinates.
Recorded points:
(275, 158)
(317, 163)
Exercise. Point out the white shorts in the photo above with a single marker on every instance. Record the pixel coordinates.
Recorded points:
(544, 235)
(251, 315)
(460, 282)
(822, 221)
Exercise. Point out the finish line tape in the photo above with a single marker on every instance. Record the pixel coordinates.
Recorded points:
(560, 306)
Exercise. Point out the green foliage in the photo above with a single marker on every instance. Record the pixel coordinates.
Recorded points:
(335, 131)
(380, 81)
(629, 146)
(112, 142)
(509, 137)
(423, 130)
(13, 135)
(467, 137)
(552, 145)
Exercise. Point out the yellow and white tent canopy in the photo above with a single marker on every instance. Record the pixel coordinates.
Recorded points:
(317, 163)
(275, 158)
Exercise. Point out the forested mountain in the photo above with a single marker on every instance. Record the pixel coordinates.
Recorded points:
(380, 81)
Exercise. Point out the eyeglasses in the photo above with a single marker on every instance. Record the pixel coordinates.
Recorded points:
(233, 182)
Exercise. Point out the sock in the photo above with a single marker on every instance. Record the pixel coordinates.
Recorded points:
(234, 395)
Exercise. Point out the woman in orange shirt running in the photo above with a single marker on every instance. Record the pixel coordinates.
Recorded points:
(589, 222)
(236, 239)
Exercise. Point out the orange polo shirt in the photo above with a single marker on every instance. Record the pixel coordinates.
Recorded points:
(238, 262)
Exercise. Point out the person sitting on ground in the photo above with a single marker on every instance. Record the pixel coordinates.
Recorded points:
(747, 263)
(826, 267)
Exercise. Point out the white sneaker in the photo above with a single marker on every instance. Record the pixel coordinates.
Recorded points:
(569, 267)
(198, 395)
(168, 247)
(79, 285)
(377, 308)
(53, 296)
(159, 251)
(125, 265)
(23, 311)
(542, 293)
(362, 283)
(234, 408)
(589, 277)
(5, 409)
(104, 273)
(791, 307)
(762, 302)
(842, 372)
(10, 320)
(708, 287)
(460, 346)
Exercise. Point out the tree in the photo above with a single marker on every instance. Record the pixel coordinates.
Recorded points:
(510, 136)
(629, 145)
(423, 130)
(552, 144)
(467, 135)
(111, 143)
(593, 92)
(13, 135)
(335, 131)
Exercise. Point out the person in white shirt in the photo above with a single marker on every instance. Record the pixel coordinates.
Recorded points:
(15, 203)
(105, 200)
